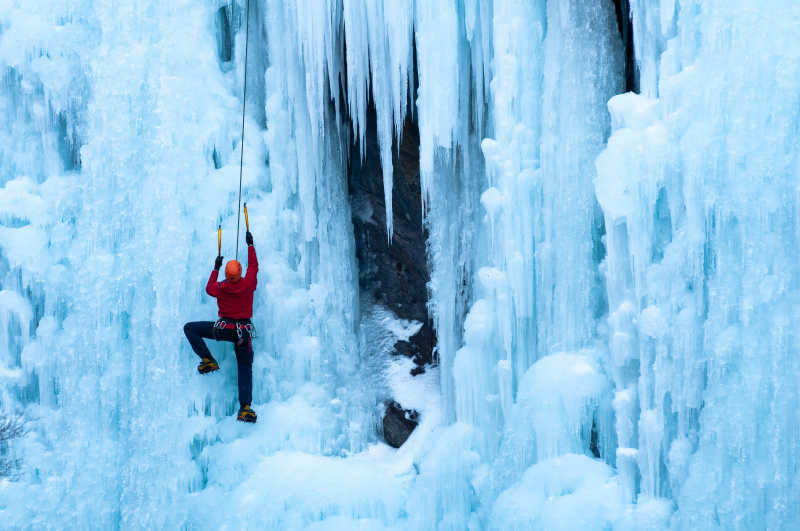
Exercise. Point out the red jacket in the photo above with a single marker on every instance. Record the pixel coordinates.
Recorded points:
(235, 299)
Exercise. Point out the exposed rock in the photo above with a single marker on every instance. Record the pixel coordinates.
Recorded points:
(398, 423)
(395, 275)
(625, 27)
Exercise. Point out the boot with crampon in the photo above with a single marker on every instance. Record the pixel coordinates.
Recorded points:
(246, 414)
(208, 365)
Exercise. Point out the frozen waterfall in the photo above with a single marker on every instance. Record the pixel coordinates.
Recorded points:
(589, 213)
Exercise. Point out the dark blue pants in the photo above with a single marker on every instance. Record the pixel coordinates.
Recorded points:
(196, 331)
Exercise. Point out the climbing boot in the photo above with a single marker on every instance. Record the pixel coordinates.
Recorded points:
(208, 365)
(246, 414)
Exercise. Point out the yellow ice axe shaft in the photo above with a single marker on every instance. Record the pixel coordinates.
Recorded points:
(219, 240)
(246, 219)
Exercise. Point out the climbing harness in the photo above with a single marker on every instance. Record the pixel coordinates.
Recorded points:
(244, 103)
(245, 331)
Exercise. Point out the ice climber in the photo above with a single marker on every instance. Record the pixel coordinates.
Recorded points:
(235, 301)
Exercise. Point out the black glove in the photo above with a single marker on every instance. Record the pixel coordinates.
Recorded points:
(218, 263)
(248, 237)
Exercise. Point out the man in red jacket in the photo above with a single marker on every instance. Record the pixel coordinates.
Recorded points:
(235, 301)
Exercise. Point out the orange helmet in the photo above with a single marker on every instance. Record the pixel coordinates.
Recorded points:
(233, 271)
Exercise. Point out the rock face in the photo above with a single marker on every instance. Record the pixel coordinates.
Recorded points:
(395, 275)
(398, 424)
(623, 9)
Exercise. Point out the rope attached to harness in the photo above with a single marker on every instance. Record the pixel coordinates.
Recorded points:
(244, 104)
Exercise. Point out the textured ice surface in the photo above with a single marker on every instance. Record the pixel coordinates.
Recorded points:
(698, 186)
(614, 277)
(567, 492)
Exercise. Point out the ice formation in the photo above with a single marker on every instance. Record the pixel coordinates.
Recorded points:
(614, 275)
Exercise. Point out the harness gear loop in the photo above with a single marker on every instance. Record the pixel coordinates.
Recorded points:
(244, 329)
(244, 104)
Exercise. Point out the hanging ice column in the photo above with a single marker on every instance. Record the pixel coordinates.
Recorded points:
(379, 64)
(537, 292)
(502, 318)
(451, 58)
(699, 190)
(307, 149)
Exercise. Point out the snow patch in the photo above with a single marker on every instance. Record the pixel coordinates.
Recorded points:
(570, 492)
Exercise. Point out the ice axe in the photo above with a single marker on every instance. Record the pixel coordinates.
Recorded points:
(219, 240)
(246, 219)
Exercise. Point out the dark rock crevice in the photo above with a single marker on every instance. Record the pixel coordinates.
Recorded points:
(69, 144)
(222, 23)
(393, 275)
(230, 21)
(623, 9)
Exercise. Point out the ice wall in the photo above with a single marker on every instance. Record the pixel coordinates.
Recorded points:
(101, 249)
(612, 275)
(509, 327)
(537, 287)
(119, 157)
(698, 186)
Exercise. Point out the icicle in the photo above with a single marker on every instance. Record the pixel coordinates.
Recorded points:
(437, 38)
(382, 98)
(399, 25)
(356, 30)
(378, 34)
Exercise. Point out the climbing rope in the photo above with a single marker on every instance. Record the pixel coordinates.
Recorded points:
(244, 103)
